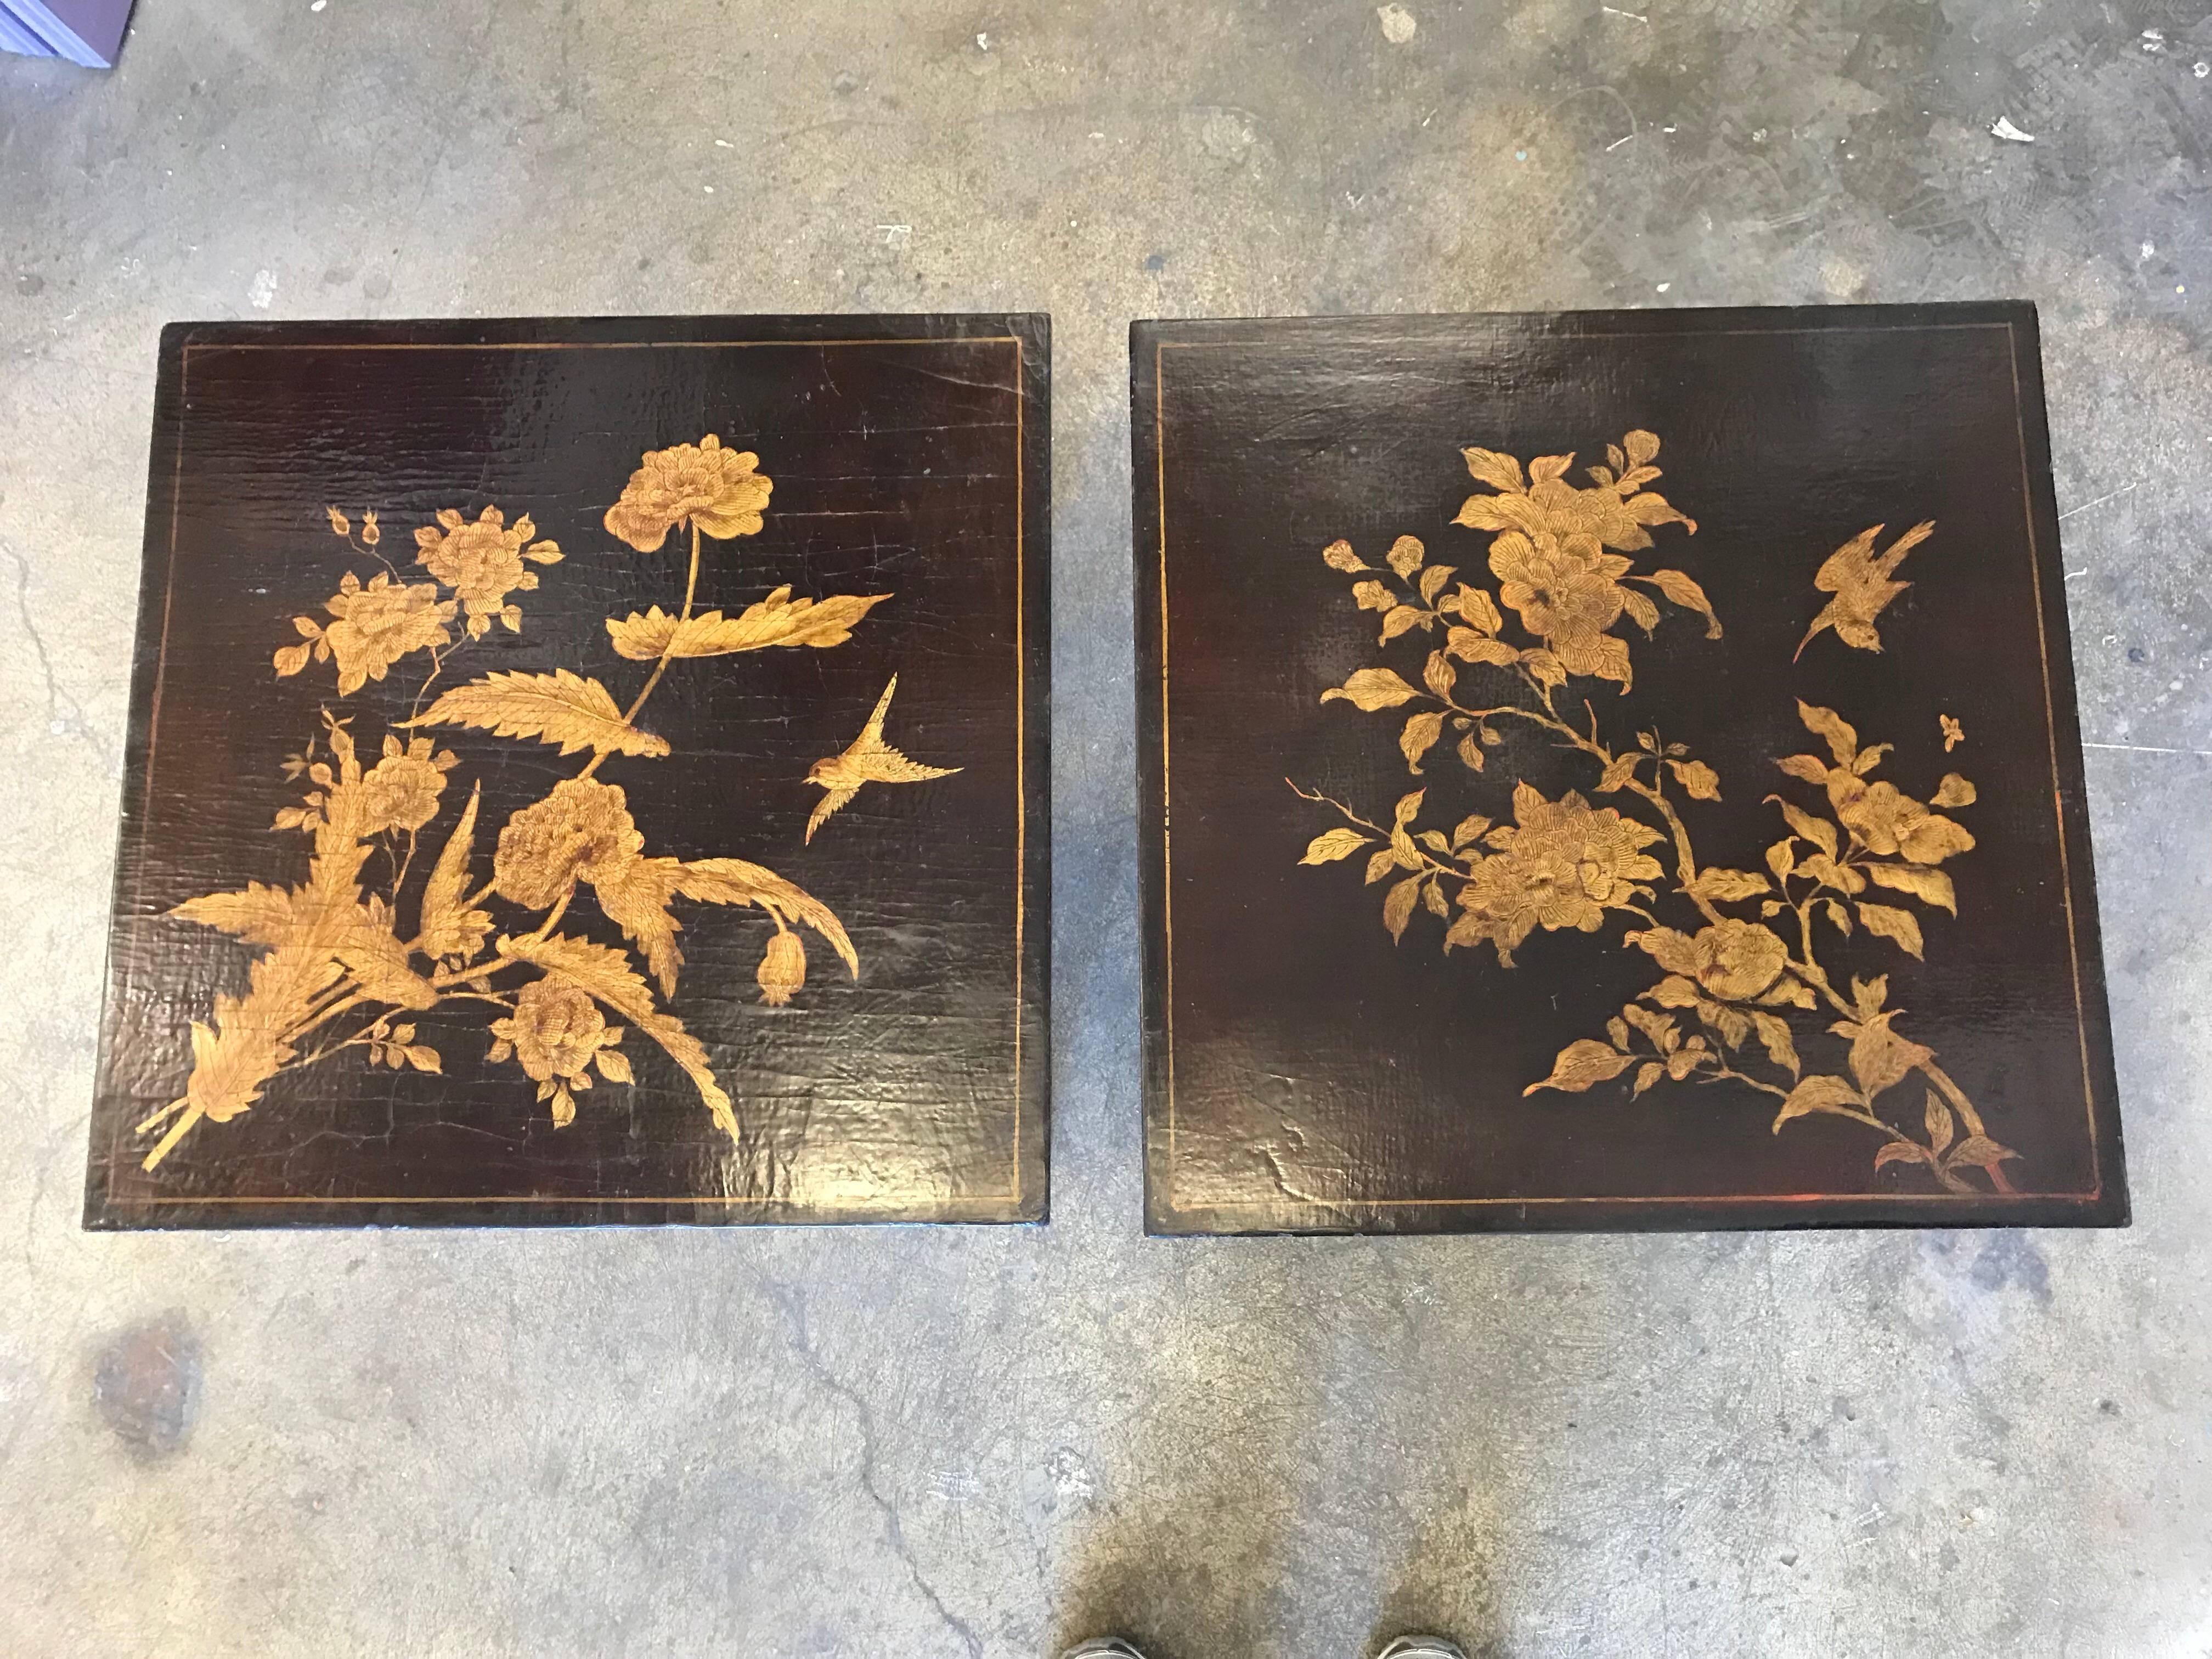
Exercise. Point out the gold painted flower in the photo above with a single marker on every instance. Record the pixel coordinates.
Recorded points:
(1603, 514)
(1735, 960)
(582, 830)
(378, 624)
(1892, 824)
(556, 1034)
(401, 790)
(483, 562)
(704, 485)
(1567, 591)
(1558, 865)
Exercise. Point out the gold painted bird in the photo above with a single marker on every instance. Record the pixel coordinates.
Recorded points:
(1860, 580)
(870, 760)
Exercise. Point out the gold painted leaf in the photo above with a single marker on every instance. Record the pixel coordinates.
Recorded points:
(1499, 472)
(1419, 736)
(1582, 1064)
(422, 1057)
(1466, 830)
(1953, 791)
(614, 1066)
(1545, 468)
(1339, 555)
(1811, 768)
(1732, 1027)
(1843, 737)
(1408, 807)
(1669, 947)
(1370, 689)
(1479, 611)
(1432, 581)
(448, 927)
(1468, 646)
(1617, 773)
(1727, 886)
(1893, 923)
(1398, 906)
(1438, 905)
(1405, 555)
(1647, 1074)
(1781, 859)
(1819, 831)
(1371, 596)
(560, 708)
(1439, 675)
(291, 659)
(1879, 1057)
(1546, 667)
(1819, 1094)
(1869, 994)
(1641, 610)
(606, 974)
(1379, 864)
(1774, 1036)
(1899, 1151)
(734, 881)
(1332, 845)
(1699, 780)
(1680, 587)
(1470, 753)
(1929, 886)
(634, 895)
(1401, 619)
(1940, 1127)
(1843, 877)
(1500, 513)
(256, 914)
(779, 619)
(1660, 1027)
(1788, 992)
(1674, 992)
(1982, 1152)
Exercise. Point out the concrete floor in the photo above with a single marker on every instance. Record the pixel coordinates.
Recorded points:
(981, 1442)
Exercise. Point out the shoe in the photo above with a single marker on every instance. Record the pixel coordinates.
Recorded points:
(1422, 1647)
(1102, 1647)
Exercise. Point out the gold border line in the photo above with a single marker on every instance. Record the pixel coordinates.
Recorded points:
(117, 1158)
(2050, 726)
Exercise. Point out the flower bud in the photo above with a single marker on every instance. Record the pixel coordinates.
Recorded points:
(783, 969)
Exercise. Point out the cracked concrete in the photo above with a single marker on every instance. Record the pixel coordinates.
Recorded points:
(984, 1442)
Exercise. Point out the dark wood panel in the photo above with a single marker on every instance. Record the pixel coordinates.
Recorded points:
(1614, 769)
(502, 688)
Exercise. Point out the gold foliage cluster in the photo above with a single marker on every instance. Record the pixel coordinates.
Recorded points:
(347, 957)
(1744, 960)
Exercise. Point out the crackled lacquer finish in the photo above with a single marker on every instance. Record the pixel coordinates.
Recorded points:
(1612, 770)
(496, 688)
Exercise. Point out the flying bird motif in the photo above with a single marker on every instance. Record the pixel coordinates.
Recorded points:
(870, 760)
(1860, 580)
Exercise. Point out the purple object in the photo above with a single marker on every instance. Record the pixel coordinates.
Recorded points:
(87, 32)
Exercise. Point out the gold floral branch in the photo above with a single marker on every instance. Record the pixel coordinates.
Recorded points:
(1559, 554)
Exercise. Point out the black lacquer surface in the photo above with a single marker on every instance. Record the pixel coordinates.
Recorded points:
(1304, 1070)
(909, 458)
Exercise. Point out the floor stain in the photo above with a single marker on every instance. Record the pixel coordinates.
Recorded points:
(146, 1387)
